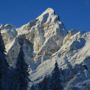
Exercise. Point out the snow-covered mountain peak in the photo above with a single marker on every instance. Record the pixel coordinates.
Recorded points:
(48, 12)
(45, 41)
(8, 32)
(45, 29)
(48, 16)
(6, 27)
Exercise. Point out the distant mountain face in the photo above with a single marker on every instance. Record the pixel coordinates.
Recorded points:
(46, 41)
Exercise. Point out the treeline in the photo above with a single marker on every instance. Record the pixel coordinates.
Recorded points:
(52, 82)
(13, 78)
(17, 78)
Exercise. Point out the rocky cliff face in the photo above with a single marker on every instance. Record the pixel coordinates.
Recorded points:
(47, 41)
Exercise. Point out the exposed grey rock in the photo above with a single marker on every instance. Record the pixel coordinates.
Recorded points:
(47, 41)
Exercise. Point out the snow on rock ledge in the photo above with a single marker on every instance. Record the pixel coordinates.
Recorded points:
(45, 42)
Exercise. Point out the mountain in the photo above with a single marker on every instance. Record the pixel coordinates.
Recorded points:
(46, 41)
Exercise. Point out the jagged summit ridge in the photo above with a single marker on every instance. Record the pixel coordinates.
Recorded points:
(48, 11)
(46, 41)
(41, 32)
(46, 15)
(46, 26)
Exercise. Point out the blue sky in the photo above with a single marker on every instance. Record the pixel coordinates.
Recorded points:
(74, 13)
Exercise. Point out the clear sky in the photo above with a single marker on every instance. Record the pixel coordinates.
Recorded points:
(74, 13)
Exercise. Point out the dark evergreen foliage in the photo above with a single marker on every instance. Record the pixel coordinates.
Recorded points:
(18, 78)
(55, 83)
(44, 84)
(33, 87)
(2, 47)
(3, 64)
(21, 71)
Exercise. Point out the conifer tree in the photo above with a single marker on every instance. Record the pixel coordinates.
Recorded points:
(32, 87)
(3, 63)
(21, 71)
(44, 84)
(55, 83)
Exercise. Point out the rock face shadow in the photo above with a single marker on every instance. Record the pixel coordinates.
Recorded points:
(78, 44)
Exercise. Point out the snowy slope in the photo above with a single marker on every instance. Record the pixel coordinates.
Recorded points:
(46, 41)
